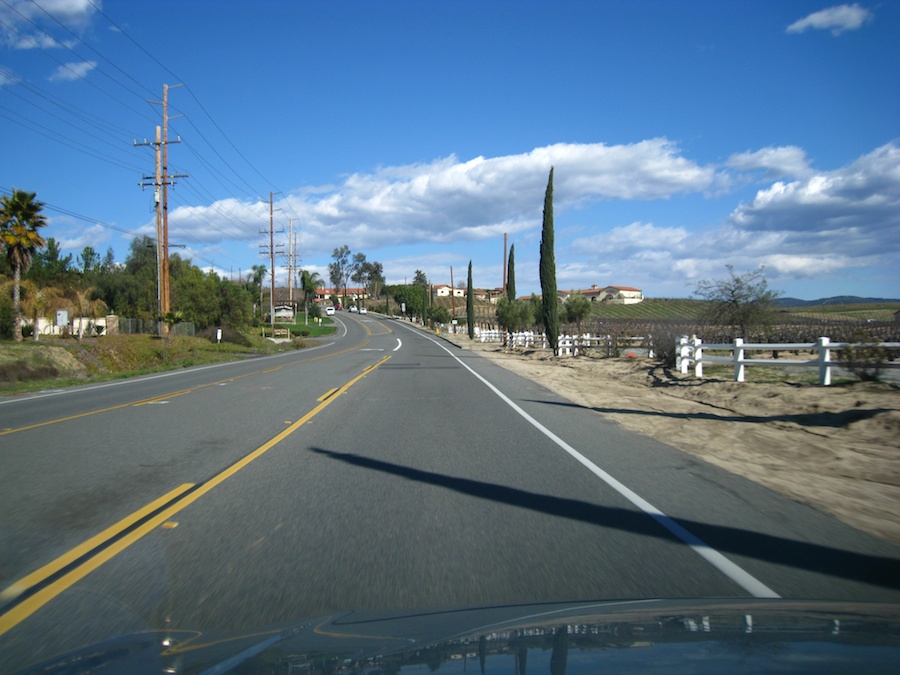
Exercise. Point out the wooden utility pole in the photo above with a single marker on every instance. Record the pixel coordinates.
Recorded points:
(291, 265)
(272, 258)
(160, 182)
(164, 284)
(452, 298)
(157, 197)
(272, 250)
(504, 262)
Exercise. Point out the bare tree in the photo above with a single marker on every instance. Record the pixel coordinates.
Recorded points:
(742, 301)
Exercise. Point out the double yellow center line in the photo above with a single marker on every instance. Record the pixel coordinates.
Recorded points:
(30, 593)
(181, 392)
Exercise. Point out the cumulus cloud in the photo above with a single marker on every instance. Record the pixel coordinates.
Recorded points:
(449, 200)
(36, 41)
(226, 219)
(781, 162)
(73, 71)
(839, 19)
(812, 227)
(641, 238)
(804, 223)
(805, 266)
(18, 19)
(7, 76)
(860, 201)
(95, 236)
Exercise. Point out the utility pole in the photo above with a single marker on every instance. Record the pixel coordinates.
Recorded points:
(504, 262)
(271, 253)
(292, 259)
(452, 301)
(160, 182)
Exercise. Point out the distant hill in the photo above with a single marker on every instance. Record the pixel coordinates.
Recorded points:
(837, 300)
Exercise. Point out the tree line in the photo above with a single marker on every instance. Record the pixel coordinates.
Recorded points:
(37, 279)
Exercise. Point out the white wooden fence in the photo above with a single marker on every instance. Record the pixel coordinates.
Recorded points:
(690, 351)
(569, 345)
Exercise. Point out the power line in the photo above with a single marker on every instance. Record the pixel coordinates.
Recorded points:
(216, 213)
(77, 37)
(61, 63)
(189, 90)
(72, 214)
(116, 147)
(52, 135)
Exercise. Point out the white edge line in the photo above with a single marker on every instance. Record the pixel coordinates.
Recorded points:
(734, 572)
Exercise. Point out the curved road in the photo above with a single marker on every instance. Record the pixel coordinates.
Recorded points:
(384, 469)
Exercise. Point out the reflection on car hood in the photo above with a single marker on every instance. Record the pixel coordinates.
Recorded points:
(586, 637)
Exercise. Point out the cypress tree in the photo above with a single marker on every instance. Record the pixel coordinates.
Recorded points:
(511, 274)
(470, 305)
(549, 306)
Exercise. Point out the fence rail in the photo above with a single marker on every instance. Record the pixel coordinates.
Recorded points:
(690, 351)
(568, 345)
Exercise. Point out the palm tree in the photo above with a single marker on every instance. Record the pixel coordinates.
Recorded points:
(84, 301)
(39, 301)
(310, 282)
(20, 218)
(256, 282)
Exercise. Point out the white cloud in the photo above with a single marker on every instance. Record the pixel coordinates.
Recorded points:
(808, 225)
(226, 219)
(855, 208)
(805, 266)
(448, 200)
(94, 236)
(837, 19)
(812, 228)
(73, 71)
(36, 41)
(788, 161)
(642, 238)
(18, 19)
(7, 77)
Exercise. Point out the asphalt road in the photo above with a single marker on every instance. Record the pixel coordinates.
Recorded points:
(384, 469)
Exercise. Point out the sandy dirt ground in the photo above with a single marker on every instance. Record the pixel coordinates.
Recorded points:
(835, 448)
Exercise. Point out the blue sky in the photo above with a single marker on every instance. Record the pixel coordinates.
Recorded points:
(685, 135)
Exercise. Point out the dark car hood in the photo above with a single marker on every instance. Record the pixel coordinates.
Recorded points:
(584, 637)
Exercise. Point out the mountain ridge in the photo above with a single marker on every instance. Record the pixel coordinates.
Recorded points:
(835, 300)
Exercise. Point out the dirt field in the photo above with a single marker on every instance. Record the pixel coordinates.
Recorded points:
(835, 448)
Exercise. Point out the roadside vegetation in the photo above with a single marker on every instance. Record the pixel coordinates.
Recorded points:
(38, 283)
(53, 363)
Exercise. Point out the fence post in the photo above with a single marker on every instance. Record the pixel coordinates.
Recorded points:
(698, 357)
(681, 354)
(824, 361)
(738, 355)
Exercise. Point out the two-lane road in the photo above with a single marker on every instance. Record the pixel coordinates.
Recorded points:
(386, 470)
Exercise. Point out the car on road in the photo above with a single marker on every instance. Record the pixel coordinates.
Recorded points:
(353, 308)
(362, 310)
(329, 311)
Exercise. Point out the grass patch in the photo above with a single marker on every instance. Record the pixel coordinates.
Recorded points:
(299, 330)
(863, 312)
(54, 363)
(761, 374)
(670, 309)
